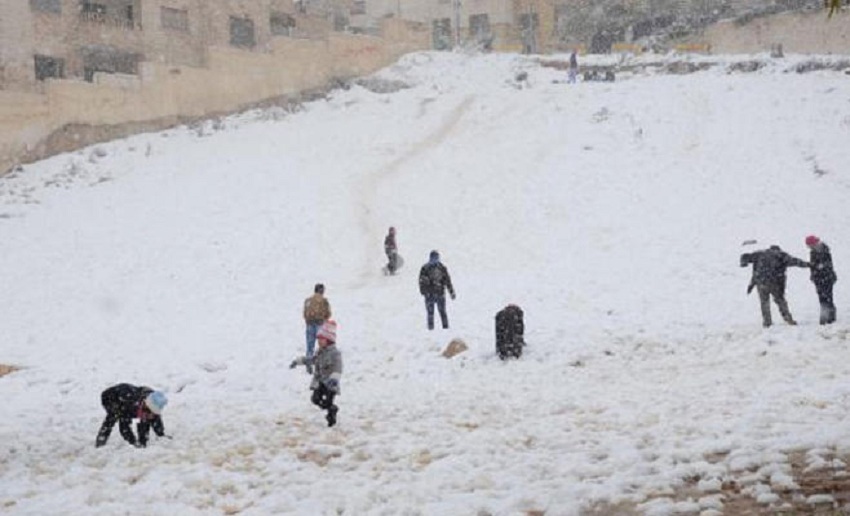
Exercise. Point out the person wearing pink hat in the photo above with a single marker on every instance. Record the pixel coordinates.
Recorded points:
(327, 370)
(823, 276)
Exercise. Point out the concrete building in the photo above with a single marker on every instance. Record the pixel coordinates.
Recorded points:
(40, 39)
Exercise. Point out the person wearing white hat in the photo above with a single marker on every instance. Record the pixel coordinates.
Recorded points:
(125, 402)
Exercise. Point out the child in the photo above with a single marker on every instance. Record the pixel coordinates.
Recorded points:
(327, 369)
(125, 402)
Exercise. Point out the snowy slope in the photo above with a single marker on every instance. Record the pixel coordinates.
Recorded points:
(613, 213)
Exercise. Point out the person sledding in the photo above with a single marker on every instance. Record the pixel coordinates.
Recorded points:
(327, 370)
(124, 403)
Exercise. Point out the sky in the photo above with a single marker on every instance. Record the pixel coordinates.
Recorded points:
(614, 214)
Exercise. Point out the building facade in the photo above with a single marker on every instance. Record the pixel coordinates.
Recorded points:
(42, 39)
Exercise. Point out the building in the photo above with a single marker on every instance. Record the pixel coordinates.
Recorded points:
(41, 39)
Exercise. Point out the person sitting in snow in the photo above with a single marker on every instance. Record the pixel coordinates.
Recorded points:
(509, 332)
(769, 267)
(125, 402)
(327, 370)
(823, 276)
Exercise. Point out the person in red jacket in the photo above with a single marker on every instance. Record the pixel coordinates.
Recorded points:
(124, 403)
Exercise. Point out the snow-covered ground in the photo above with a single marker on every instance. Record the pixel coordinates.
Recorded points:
(613, 213)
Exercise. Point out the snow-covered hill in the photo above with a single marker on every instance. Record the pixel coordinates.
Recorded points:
(613, 213)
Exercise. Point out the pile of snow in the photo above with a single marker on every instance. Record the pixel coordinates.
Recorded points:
(613, 213)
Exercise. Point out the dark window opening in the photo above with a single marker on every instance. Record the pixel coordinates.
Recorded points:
(441, 34)
(109, 60)
(46, 6)
(174, 19)
(47, 67)
(242, 32)
(479, 30)
(281, 24)
(358, 7)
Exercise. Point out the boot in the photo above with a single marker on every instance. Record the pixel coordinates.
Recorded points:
(331, 417)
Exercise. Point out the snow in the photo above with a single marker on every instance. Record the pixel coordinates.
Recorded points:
(613, 213)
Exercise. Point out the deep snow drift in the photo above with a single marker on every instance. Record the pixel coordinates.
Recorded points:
(613, 213)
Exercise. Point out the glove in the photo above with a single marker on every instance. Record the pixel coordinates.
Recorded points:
(452, 295)
(332, 385)
(294, 364)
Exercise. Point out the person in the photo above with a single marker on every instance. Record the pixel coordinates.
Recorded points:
(125, 402)
(391, 249)
(317, 310)
(509, 332)
(327, 371)
(572, 72)
(823, 276)
(768, 278)
(434, 280)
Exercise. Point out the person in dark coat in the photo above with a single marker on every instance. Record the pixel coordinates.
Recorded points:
(823, 276)
(391, 249)
(509, 332)
(768, 278)
(434, 280)
(125, 402)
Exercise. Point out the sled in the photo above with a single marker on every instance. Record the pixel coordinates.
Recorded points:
(399, 263)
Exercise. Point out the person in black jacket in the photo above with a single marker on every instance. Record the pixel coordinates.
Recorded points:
(434, 279)
(391, 250)
(823, 276)
(769, 279)
(125, 402)
(509, 332)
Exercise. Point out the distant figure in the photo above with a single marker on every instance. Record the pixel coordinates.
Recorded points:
(823, 276)
(327, 371)
(317, 310)
(509, 332)
(572, 72)
(125, 402)
(391, 249)
(769, 267)
(434, 279)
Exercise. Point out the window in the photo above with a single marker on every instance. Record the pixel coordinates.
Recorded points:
(93, 9)
(174, 19)
(358, 7)
(46, 67)
(441, 34)
(242, 32)
(281, 24)
(46, 6)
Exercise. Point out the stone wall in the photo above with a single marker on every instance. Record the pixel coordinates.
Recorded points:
(36, 125)
(808, 32)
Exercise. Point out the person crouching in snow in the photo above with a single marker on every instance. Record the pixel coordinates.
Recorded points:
(327, 370)
(125, 402)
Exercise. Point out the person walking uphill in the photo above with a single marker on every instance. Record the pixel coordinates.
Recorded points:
(317, 310)
(823, 276)
(326, 372)
(434, 280)
(125, 402)
(769, 267)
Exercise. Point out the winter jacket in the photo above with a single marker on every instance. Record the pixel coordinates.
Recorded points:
(317, 309)
(509, 325)
(769, 266)
(434, 279)
(389, 243)
(327, 368)
(821, 260)
(124, 402)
